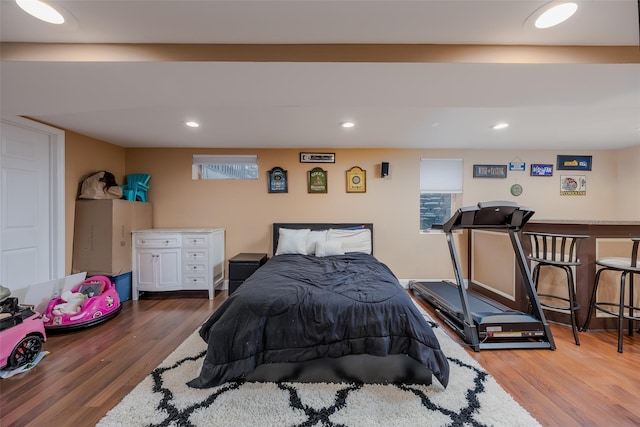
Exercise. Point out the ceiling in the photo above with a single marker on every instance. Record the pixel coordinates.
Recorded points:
(413, 94)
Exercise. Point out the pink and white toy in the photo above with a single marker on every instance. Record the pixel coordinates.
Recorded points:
(89, 303)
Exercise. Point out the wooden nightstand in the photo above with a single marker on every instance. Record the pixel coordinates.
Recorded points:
(242, 266)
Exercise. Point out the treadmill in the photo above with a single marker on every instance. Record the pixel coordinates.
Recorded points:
(483, 323)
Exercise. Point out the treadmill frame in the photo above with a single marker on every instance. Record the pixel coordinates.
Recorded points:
(517, 217)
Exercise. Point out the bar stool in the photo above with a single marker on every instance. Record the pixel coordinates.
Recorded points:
(559, 251)
(625, 266)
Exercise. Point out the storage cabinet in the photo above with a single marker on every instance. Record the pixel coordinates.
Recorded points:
(180, 259)
(102, 235)
(242, 266)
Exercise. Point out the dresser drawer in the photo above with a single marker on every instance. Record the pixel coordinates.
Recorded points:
(192, 255)
(195, 241)
(158, 241)
(195, 281)
(194, 267)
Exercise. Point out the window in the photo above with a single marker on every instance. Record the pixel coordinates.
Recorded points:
(440, 187)
(224, 167)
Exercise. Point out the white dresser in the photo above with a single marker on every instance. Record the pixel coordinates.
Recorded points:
(177, 259)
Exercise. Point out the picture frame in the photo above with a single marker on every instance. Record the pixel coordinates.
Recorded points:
(277, 179)
(489, 171)
(306, 157)
(356, 180)
(317, 181)
(517, 166)
(541, 169)
(574, 163)
(573, 185)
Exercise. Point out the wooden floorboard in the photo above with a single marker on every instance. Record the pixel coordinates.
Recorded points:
(90, 371)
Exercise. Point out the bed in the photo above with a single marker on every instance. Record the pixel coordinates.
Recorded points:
(322, 309)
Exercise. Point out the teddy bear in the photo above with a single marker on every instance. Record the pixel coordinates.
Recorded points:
(73, 304)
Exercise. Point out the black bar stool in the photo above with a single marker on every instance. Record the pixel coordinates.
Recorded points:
(625, 266)
(559, 251)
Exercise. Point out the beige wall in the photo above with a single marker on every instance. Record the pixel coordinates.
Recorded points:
(246, 210)
(628, 180)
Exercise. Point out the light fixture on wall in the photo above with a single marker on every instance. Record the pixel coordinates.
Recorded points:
(192, 124)
(41, 10)
(347, 124)
(552, 14)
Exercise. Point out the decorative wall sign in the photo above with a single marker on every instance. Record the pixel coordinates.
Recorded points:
(317, 157)
(489, 171)
(317, 180)
(573, 185)
(574, 163)
(356, 180)
(541, 170)
(278, 180)
(517, 166)
(516, 190)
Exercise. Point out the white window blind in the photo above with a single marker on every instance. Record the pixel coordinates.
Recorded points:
(207, 166)
(209, 159)
(441, 175)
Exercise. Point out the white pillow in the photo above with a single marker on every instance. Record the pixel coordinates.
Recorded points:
(292, 241)
(352, 240)
(314, 237)
(329, 247)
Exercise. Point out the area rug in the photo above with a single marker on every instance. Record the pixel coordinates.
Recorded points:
(472, 398)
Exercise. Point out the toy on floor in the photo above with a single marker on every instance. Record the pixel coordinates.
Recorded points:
(91, 302)
(21, 332)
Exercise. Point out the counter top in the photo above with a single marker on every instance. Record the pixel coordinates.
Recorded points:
(584, 222)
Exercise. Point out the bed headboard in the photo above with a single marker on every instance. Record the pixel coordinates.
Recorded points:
(316, 226)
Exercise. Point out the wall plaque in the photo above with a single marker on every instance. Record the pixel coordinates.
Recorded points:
(278, 180)
(489, 171)
(317, 180)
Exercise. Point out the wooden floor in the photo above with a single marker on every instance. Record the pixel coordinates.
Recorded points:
(90, 371)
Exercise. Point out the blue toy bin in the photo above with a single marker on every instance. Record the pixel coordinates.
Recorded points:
(123, 285)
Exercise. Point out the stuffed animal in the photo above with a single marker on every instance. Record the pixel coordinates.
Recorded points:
(73, 304)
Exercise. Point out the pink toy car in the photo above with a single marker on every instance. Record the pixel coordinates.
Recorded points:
(21, 333)
(89, 303)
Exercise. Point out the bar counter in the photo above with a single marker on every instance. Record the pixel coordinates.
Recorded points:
(607, 238)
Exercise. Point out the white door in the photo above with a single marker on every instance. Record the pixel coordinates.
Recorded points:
(30, 204)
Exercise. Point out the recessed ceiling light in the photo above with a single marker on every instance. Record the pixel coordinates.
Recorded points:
(555, 14)
(347, 124)
(41, 10)
(192, 124)
(499, 126)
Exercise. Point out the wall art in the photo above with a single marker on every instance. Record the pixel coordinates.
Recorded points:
(356, 180)
(539, 169)
(489, 171)
(317, 157)
(317, 180)
(573, 185)
(278, 180)
(576, 163)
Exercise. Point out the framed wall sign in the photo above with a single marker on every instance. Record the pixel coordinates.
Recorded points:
(489, 171)
(317, 181)
(317, 157)
(356, 180)
(541, 169)
(574, 163)
(278, 180)
(517, 166)
(573, 185)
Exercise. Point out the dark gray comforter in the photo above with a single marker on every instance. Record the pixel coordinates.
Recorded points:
(297, 308)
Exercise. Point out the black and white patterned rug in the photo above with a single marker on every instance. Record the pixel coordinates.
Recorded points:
(473, 398)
